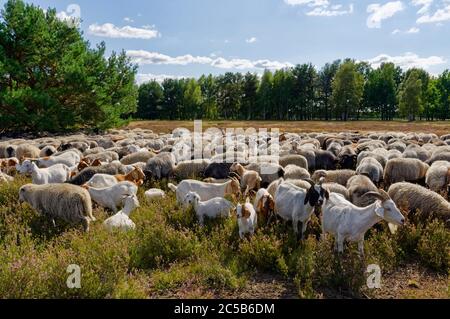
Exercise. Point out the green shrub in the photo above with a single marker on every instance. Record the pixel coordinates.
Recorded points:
(434, 247)
(263, 252)
(158, 245)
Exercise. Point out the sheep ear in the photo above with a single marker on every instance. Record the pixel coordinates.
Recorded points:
(379, 211)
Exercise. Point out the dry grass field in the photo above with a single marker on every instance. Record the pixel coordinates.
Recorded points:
(439, 128)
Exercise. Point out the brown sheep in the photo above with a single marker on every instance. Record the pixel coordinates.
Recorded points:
(421, 202)
(405, 170)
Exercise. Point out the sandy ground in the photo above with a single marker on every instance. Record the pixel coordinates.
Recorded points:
(439, 128)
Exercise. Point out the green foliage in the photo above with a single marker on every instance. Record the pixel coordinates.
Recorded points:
(434, 247)
(51, 79)
(411, 96)
(348, 85)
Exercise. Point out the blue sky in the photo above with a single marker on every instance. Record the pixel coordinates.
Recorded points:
(174, 38)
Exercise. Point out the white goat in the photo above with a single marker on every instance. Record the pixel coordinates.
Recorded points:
(213, 208)
(247, 219)
(69, 158)
(112, 197)
(206, 191)
(295, 204)
(122, 220)
(349, 222)
(55, 174)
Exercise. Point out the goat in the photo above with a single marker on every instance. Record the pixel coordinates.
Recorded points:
(345, 221)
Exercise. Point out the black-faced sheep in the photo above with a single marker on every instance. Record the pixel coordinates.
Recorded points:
(67, 202)
(218, 170)
(325, 160)
(347, 158)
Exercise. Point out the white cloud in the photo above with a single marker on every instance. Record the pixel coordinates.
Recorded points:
(382, 12)
(424, 4)
(72, 15)
(311, 3)
(413, 30)
(109, 30)
(145, 57)
(147, 77)
(321, 8)
(128, 19)
(251, 40)
(407, 61)
(442, 14)
(332, 12)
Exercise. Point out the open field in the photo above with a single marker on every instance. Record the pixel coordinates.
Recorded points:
(439, 128)
(170, 256)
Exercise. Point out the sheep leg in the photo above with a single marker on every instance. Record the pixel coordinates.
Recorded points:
(201, 220)
(304, 225)
(53, 222)
(295, 225)
(361, 247)
(85, 222)
(340, 242)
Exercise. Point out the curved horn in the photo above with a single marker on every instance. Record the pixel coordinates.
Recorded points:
(384, 194)
(374, 194)
(310, 181)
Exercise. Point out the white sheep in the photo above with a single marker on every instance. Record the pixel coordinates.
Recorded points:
(213, 208)
(122, 220)
(154, 194)
(247, 219)
(438, 176)
(295, 204)
(112, 197)
(346, 221)
(59, 173)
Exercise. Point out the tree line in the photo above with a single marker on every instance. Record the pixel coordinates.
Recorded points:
(342, 90)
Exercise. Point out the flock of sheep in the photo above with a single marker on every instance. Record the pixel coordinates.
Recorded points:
(353, 181)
